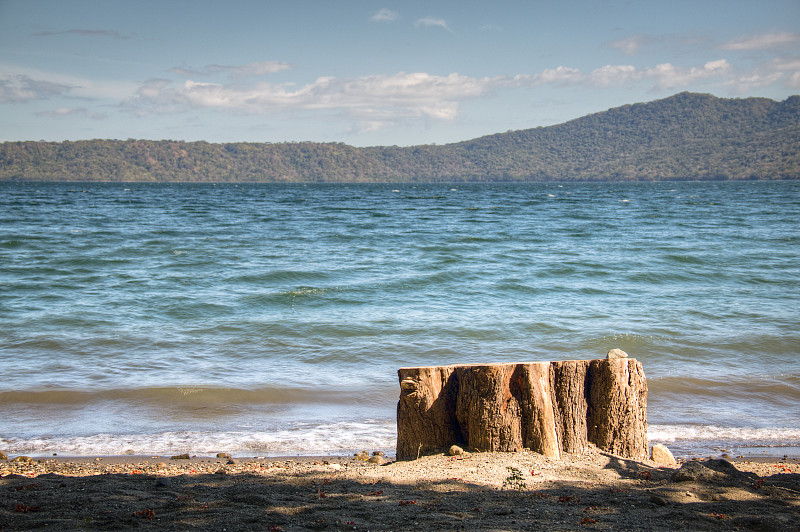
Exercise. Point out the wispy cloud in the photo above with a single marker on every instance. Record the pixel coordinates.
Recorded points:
(256, 69)
(385, 15)
(432, 22)
(762, 42)
(490, 28)
(677, 43)
(63, 112)
(629, 45)
(83, 33)
(18, 89)
(776, 71)
(48, 83)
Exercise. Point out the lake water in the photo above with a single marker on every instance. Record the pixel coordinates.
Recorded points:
(270, 319)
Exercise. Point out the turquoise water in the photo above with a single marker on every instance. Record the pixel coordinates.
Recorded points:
(271, 319)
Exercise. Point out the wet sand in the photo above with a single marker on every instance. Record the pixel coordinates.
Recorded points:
(479, 491)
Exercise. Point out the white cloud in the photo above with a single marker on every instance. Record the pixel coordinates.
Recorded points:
(432, 22)
(385, 15)
(762, 42)
(668, 76)
(21, 88)
(616, 75)
(381, 99)
(371, 99)
(557, 76)
(664, 76)
(747, 82)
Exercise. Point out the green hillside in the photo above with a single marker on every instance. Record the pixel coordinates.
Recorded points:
(684, 137)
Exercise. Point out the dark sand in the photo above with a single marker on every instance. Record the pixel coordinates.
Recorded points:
(593, 491)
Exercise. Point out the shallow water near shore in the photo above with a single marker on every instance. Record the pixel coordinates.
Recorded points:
(271, 319)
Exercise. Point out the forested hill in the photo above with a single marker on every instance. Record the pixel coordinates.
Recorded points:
(684, 137)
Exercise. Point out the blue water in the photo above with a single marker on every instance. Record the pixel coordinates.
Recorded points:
(270, 319)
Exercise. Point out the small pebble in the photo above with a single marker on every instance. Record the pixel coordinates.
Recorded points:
(163, 482)
(455, 450)
(661, 501)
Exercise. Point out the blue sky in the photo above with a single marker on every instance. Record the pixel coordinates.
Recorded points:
(371, 72)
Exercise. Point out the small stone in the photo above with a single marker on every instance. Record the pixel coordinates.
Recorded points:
(363, 455)
(161, 465)
(130, 451)
(231, 461)
(662, 456)
(163, 482)
(3, 456)
(221, 471)
(378, 453)
(224, 455)
(335, 467)
(376, 459)
(455, 450)
(184, 456)
(692, 471)
(616, 353)
(657, 499)
(23, 459)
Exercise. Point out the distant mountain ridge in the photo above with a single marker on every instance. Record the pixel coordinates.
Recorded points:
(684, 137)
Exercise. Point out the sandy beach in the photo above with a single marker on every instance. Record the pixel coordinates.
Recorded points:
(477, 491)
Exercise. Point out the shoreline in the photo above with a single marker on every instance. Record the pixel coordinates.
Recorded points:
(476, 491)
(120, 459)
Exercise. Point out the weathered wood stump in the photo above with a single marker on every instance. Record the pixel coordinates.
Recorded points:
(548, 407)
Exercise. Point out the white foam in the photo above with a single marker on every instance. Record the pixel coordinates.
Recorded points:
(299, 439)
(756, 436)
(704, 440)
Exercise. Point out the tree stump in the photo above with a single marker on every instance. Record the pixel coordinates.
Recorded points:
(548, 407)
